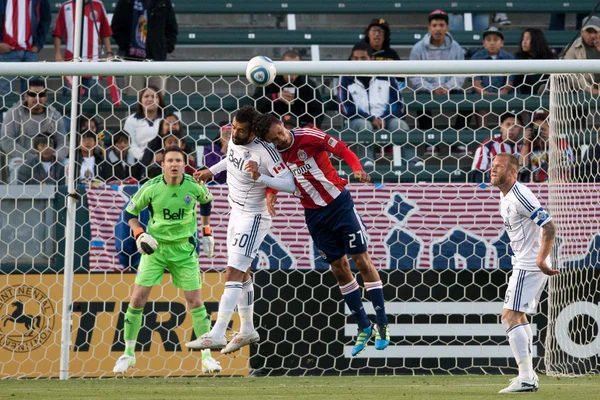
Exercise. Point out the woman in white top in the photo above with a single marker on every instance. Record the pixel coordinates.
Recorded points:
(143, 126)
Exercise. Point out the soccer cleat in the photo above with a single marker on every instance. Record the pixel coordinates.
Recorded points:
(382, 337)
(123, 364)
(211, 366)
(240, 340)
(206, 341)
(363, 339)
(519, 385)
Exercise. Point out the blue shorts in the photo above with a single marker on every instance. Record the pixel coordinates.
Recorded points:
(337, 229)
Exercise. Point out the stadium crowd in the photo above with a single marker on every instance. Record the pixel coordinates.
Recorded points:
(33, 137)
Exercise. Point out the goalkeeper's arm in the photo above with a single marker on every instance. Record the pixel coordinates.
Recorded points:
(146, 244)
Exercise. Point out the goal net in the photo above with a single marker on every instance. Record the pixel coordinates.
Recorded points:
(434, 224)
(573, 346)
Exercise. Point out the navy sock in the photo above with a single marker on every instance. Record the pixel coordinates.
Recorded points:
(353, 299)
(375, 291)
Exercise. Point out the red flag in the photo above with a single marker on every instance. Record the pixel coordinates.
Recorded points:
(114, 91)
(69, 80)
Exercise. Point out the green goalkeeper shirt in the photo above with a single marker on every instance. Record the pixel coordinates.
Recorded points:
(172, 208)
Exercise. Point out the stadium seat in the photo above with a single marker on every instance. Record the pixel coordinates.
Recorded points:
(364, 7)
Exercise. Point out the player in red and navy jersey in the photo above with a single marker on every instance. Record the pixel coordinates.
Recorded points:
(331, 218)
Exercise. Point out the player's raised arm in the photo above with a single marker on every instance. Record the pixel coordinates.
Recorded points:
(341, 149)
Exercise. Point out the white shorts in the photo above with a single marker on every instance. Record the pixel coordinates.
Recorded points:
(524, 290)
(245, 234)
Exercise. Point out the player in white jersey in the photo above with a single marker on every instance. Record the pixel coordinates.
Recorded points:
(531, 232)
(252, 165)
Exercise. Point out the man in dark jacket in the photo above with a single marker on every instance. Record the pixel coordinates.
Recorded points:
(22, 42)
(292, 94)
(145, 30)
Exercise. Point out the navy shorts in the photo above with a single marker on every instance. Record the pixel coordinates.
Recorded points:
(337, 229)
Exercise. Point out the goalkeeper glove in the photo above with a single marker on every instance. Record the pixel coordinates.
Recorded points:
(146, 244)
(208, 242)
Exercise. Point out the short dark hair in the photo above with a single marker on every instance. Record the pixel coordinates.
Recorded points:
(362, 46)
(510, 114)
(119, 137)
(36, 82)
(176, 149)
(246, 114)
(89, 118)
(291, 54)
(89, 134)
(262, 124)
(45, 139)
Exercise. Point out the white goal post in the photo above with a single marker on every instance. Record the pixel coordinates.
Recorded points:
(439, 243)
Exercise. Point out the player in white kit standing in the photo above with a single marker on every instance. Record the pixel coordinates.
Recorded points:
(252, 165)
(531, 231)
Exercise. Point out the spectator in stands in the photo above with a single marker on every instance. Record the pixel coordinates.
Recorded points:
(97, 30)
(143, 126)
(437, 45)
(377, 35)
(372, 104)
(535, 151)
(155, 167)
(22, 41)
(42, 168)
(509, 141)
(170, 124)
(533, 46)
(587, 47)
(295, 94)
(213, 153)
(26, 120)
(89, 160)
(145, 30)
(118, 168)
(589, 170)
(493, 41)
(87, 122)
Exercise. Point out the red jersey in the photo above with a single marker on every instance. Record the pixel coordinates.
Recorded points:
(317, 181)
(95, 27)
(17, 24)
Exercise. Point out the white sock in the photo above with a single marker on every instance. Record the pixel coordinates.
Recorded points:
(231, 296)
(529, 332)
(519, 344)
(246, 307)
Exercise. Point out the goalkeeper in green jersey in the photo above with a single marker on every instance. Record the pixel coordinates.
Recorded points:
(169, 243)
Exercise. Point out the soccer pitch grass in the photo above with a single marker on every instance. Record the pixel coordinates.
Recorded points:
(330, 387)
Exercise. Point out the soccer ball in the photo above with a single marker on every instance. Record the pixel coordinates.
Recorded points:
(260, 71)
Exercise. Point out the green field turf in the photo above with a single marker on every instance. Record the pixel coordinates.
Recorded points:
(359, 388)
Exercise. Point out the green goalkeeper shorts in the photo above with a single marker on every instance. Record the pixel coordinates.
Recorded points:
(180, 258)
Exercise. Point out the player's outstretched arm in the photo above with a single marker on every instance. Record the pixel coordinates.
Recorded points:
(548, 235)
